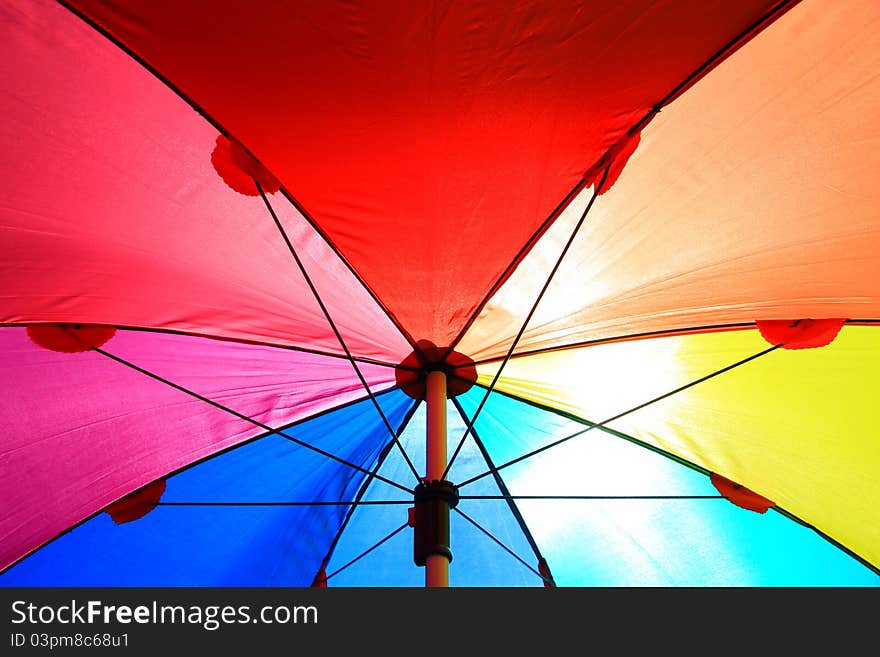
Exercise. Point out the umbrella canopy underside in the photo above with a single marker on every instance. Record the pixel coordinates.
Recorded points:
(652, 227)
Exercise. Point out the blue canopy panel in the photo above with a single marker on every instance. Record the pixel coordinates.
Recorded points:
(477, 559)
(642, 542)
(231, 545)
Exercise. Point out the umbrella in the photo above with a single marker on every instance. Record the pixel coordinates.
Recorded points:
(402, 293)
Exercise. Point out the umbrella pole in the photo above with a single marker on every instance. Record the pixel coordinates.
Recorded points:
(436, 565)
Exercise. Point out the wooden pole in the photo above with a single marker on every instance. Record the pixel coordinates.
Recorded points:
(436, 565)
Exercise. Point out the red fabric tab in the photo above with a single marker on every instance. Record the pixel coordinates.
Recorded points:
(800, 333)
(320, 581)
(740, 495)
(137, 504)
(544, 569)
(239, 169)
(69, 338)
(617, 156)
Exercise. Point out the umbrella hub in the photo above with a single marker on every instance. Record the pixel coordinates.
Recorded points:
(430, 519)
(412, 372)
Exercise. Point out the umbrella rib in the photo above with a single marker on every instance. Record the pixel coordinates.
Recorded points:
(232, 340)
(283, 503)
(763, 21)
(620, 415)
(662, 333)
(591, 497)
(333, 326)
(709, 328)
(505, 491)
(520, 255)
(862, 560)
(241, 416)
(503, 546)
(367, 551)
(366, 484)
(260, 343)
(462, 497)
(522, 330)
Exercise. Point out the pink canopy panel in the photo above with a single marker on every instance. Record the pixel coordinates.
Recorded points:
(64, 461)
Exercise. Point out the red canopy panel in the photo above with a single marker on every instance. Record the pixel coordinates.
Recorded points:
(428, 140)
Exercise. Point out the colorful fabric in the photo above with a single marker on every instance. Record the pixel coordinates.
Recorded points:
(234, 239)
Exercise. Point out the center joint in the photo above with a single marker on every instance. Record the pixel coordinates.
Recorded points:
(430, 521)
(437, 490)
(412, 372)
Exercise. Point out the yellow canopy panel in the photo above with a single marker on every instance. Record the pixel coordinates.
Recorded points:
(799, 427)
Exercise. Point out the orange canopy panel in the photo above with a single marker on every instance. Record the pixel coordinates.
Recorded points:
(753, 196)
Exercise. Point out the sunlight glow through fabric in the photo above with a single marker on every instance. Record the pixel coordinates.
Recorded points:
(638, 239)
